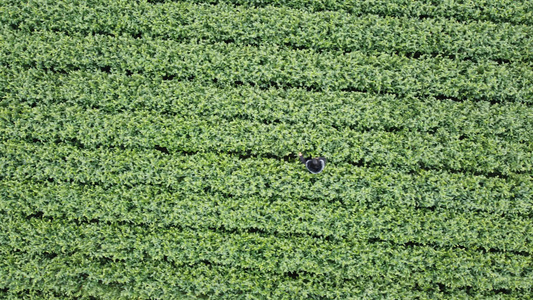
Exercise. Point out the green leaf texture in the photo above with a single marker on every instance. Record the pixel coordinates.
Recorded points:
(149, 149)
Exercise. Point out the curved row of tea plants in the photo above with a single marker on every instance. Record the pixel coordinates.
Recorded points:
(497, 11)
(197, 175)
(264, 67)
(404, 150)
(100, 248)
(477, 234)
(427, 189)
(295, 29)
(118, 92)
(517, 12)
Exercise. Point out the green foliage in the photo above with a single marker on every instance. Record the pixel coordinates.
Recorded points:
(516, 12)
(265, 67)
(148, 149)
(290, 28)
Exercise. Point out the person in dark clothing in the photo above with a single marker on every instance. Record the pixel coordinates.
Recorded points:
(314, 165)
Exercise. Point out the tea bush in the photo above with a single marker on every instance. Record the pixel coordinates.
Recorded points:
(149, 149)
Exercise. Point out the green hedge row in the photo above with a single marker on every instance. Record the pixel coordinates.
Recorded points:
(342, 183)
(101, 248)
(516, 12)
(403, 150)
(383, 209)
(136, 279)
(229, 65)
(112, 93)
(283, 218)
(277, 26)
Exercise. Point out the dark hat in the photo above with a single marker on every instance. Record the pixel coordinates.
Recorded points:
(315, 162)
(314, 165)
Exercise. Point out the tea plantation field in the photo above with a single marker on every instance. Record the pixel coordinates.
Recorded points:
(148, 149)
